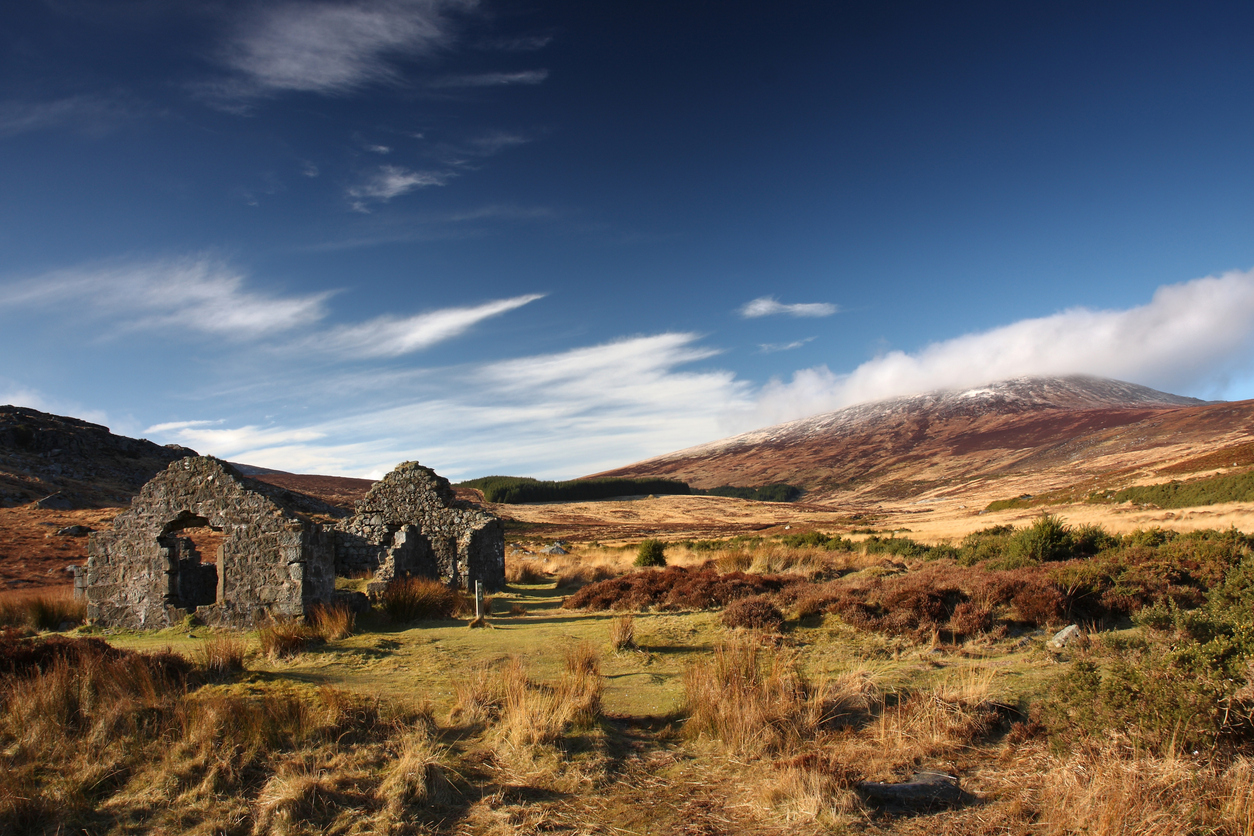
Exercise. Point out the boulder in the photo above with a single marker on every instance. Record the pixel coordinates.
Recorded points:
(1067, 635)
(924, 791)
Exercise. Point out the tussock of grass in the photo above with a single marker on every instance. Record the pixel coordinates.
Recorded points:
(221, 654)
(623, 633)
(420, 599)
(525, 572)
(332, 623)
(282, 637)
(752, 705)
(47, 610)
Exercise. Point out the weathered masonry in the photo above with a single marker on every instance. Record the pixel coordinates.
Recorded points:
(201, 538)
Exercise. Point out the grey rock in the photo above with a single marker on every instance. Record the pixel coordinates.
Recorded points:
(924, 791)
(75, 531)
(1067, 635)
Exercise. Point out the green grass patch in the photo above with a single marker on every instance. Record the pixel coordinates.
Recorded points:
(1229, 487)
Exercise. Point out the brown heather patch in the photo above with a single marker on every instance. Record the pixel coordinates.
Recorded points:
(675, 588)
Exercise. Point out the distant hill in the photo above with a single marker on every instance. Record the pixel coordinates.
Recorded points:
(340, 491)
(79, 464)
(1060, 430)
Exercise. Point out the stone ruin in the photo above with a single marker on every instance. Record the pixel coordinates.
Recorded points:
(276, 553)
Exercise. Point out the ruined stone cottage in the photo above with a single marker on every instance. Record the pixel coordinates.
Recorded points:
(274, 552)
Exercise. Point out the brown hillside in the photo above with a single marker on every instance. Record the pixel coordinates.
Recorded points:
(954, 445)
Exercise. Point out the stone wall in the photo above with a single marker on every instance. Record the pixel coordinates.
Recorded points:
(271, 561)
(410, 523)
(274, 559)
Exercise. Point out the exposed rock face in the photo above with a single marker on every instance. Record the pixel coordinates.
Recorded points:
(273, 557)
(411, 524)
(81, 464)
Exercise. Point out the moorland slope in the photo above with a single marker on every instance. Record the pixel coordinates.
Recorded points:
(1026, 435)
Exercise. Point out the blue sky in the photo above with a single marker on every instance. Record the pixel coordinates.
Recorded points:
(549, 238)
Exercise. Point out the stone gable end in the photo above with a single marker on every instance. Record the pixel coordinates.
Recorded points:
(269, 556)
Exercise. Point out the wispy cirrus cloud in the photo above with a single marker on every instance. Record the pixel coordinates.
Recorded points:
(561, 414)
(92, 115)
(770, 306)
(194, 294)
(772, 348)
(496, 141)
(393, 181)
(207, 297)
(594, 407)
(1189, 338)
(490, 79)
(334, 47)
(392, 336)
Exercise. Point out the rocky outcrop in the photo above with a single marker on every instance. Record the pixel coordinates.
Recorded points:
(70, 463)
(277, 552)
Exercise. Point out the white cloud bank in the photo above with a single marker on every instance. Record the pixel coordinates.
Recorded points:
(591, 408)
(1190, 338)
(770, 306)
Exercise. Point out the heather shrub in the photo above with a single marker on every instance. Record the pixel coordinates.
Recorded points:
(675, 588)
(971, 619)
(651, 553)
(756, 613)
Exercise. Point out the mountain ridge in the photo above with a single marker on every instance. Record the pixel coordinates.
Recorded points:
(879, 449)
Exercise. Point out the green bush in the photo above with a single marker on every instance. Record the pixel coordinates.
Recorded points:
(817, 539)
(1046, 540)
(1228, 487)
(985, 544)
(651, 553)
(1165, 690)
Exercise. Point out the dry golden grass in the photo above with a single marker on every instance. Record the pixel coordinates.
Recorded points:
(284, 637)
(623, 632)
(47, 609)
(524, 572)
(332, 623)
(221, 654)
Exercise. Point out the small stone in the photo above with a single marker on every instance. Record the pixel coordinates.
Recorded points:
(1067, 635)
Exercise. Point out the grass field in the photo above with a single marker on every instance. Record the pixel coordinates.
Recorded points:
(884, 667)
